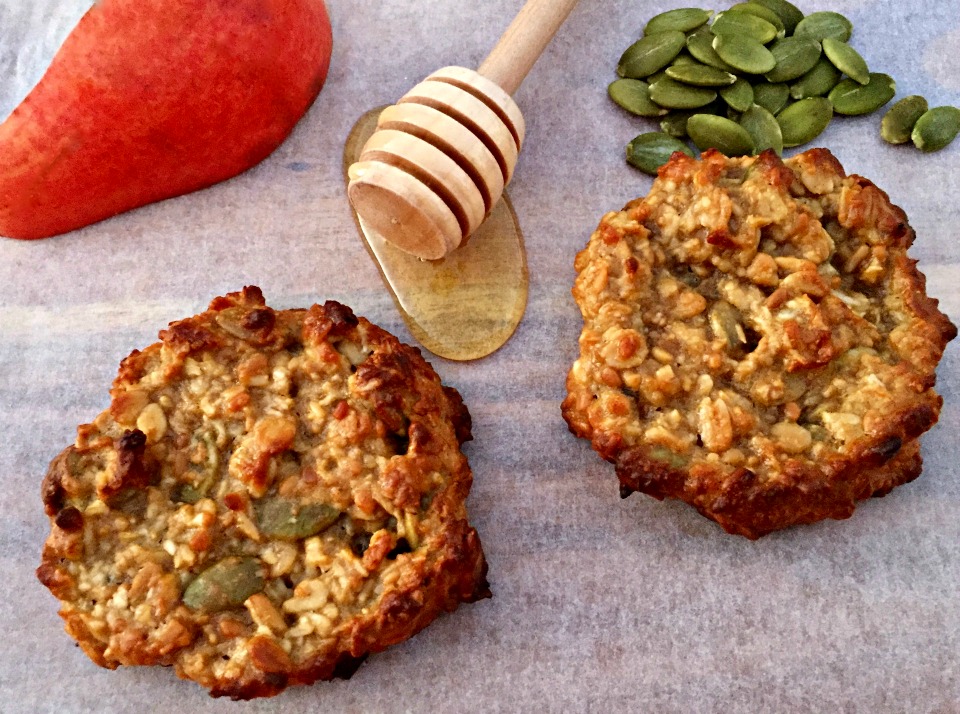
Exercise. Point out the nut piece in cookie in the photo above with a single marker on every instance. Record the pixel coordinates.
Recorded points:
(270, 497)
(756, 341)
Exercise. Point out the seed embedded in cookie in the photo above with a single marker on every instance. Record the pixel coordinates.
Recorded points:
(756, 341)
(270, 497)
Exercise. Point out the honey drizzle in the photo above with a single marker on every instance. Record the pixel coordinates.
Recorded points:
(466, 305)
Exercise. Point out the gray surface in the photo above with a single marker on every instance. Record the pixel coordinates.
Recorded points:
(599, 605)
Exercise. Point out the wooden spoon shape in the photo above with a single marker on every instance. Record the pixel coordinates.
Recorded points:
(453, 139)
(434, 169)
(481, 104)
(415, 218)
(472, 113)
(466, 304)
(489, 93)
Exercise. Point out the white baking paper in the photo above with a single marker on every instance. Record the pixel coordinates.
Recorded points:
(600, 605)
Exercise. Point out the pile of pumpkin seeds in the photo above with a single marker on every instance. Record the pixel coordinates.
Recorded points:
(758, 76)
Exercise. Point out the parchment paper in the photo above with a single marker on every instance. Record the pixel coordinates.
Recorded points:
(600, 605)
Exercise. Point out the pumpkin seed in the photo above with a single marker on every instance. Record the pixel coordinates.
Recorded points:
(762, 12)
(772, 97)
(662, 453)
(788, 12)
(804, 121)
(936, 128)
(763, 129)
(727, 322)
(672, 94)
(682, 59)
(743, 24)
(853, 98)
(700, 75)
(188, 493)
(634, 96)
(650, 53)
(682, 19)
(896, 127)
(675, 124)
(739, 95)
(289, 519)
(224, 585)
(817, 82)
(656, 76)
(648, 152)
(700, 45)
(846, 59)
(820, 25)
(236, 321)
(806, 60)
(795, 57)
(712, 132)
(744, 53)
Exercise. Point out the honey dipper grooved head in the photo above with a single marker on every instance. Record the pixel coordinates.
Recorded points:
(438, 162)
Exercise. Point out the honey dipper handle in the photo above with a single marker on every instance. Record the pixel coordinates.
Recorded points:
(524, 41)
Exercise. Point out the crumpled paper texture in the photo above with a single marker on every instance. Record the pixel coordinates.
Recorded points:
(600, 605)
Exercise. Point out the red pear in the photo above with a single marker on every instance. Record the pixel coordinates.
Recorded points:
(149, 99)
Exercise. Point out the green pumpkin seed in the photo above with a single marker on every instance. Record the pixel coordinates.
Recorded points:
(682, 59)
(788, 12)
(700, 45)
(817, 82)
(648, 152)
(763, 129)
(853, 98)
(674, 95)
(743, 24)
(682, 19)
(820, 25)
(700, 75)
(744, 53)
(675, 124)
(712, 132)
(896, 127)
(726, 321)
(656, 77)
(224, 585)
(804, 121)
(739, 95)
(795, 57)
(634, 96)
(289, 519)
(846, 59)
(188, 493)
(662, 453)
(772, 97)
(650, 53)
(936, 129)
(762, 12)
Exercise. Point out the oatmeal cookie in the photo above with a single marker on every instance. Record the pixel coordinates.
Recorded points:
(756, 341)
(271, 496)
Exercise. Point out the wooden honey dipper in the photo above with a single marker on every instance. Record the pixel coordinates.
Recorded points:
(441, 156)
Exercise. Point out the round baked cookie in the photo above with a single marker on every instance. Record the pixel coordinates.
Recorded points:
(756, 341)
(271, 496)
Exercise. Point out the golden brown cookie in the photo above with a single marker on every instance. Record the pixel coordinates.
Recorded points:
(756, 341)
(271, 496)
